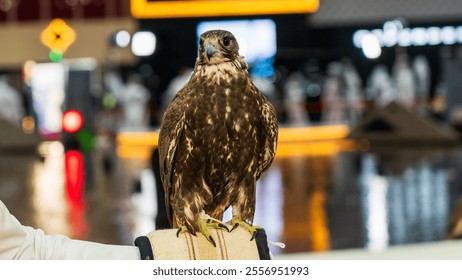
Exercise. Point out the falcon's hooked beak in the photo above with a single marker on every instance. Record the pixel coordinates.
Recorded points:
(210, 49)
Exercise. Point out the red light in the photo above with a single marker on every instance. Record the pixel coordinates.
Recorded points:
(75, 181)
(75, 175)
(72, 121)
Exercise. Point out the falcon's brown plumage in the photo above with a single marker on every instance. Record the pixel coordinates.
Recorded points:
(217, 137)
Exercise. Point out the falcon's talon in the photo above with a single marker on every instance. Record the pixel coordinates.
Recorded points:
(205, 231)
(246, 226)
(234, 227)
(212, 241)
(204, 226)
(180, 230)
(221, 225)
(215, 224)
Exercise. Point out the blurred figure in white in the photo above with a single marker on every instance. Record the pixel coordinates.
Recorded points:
(404, 79)
(380, 87)
(295, 99)
(332, 99)
(145, 203)
(175, 85)
(422, 74)
(11, 106)
(353, 91)
(133, 98)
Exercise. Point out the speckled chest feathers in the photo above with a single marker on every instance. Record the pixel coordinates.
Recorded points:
(221, 125)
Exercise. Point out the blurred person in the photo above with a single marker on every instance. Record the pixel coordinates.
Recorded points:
(404, 79)
(332, 99)
(11, 105)
(380, 87)
(422, 76)
(133, 98)
(295, 99)
(19, 242)
(313, 89)
(107, 121)
(175, 85)
(353, 91)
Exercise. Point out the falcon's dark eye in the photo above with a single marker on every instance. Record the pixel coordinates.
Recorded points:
(226, 41)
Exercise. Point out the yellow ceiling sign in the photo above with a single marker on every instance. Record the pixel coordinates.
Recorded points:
(58, 35)
(209, 8)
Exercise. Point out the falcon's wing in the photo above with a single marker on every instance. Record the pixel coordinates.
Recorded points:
(268, 134)
(170, 132)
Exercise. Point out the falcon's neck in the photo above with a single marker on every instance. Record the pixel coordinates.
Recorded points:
(227, 71)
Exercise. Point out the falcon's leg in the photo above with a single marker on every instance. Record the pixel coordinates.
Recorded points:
(205, 225)
(244, 209)
(236, 221)
(205, 222)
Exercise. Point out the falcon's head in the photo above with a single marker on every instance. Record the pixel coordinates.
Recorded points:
(217, 46)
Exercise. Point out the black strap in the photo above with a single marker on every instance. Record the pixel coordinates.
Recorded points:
(144, 245)
(262, 245)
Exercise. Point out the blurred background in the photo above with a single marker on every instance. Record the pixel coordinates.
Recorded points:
(367, 95)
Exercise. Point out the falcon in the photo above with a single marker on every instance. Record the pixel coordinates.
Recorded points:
(217, 136)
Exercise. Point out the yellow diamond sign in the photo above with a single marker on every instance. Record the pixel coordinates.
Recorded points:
(58, 35)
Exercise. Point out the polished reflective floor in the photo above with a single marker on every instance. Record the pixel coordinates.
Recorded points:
(318, 197)
(370, 200)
